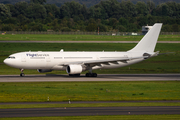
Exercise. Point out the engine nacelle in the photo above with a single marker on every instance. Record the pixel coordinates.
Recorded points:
(44, 70)
(74, 69)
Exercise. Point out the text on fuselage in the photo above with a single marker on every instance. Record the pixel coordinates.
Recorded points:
(36, 55)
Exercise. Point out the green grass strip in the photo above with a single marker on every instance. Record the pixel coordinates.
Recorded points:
(89, 91)
(51, 37)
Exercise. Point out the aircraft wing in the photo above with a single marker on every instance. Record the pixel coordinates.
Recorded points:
(101, 61)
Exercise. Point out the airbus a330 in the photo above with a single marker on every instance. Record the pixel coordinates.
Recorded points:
(76, 62)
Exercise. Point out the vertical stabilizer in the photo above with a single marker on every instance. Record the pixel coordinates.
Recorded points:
(148, 42)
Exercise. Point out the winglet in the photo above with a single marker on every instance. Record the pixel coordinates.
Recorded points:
(148, 42)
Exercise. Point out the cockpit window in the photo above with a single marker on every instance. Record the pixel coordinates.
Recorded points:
(11, 57)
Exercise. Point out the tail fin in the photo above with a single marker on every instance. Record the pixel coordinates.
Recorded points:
(148, 42)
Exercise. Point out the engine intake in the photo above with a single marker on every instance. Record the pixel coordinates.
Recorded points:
(44, 70)
(74, 69)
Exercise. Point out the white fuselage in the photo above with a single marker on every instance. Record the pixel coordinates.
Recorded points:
(59, 60)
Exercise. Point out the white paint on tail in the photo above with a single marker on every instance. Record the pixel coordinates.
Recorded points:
(148, 42)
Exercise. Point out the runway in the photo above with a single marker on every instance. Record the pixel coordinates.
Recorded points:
(101, 77)
(88, 111)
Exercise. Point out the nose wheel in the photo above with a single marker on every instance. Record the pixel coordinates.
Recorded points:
(22, 74)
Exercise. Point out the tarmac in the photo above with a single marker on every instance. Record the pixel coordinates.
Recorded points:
(89, 111)
(100, 77)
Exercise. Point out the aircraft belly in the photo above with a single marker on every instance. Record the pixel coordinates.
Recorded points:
(57, 67)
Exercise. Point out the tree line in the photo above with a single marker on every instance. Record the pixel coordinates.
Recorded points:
(88, 3)
(109, 15)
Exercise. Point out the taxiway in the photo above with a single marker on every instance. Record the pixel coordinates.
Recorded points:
(84, 111)
(101, 77)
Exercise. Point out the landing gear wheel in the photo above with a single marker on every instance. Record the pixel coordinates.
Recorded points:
(91, 74)
(22, 74)
(88, 74)
(94, 74)
(74, 75)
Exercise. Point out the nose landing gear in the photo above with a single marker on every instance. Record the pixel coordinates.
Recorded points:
(22, 74)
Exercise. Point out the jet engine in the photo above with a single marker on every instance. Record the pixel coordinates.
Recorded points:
(74, 69)
(44, 70)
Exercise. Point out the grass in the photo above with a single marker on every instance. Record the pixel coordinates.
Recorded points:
(47, 37)
(109, 117)
(167, 63)
(89, 91)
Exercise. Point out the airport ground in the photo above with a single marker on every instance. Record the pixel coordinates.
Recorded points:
(168, 65)
(141, 85)
(69, 108)
(110, 87)
(88, 111)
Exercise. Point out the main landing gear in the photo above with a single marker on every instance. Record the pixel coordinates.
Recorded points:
(74, 75)
(91, 74)
(22, 74)
(87, 75)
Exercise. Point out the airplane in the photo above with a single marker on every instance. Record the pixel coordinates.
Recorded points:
(76, 62)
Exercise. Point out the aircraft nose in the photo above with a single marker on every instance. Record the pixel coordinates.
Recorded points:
(6, 62)
(11, 62)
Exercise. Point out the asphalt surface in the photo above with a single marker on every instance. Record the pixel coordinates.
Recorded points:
(101, 77)
(88, 111)
(82, 41)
